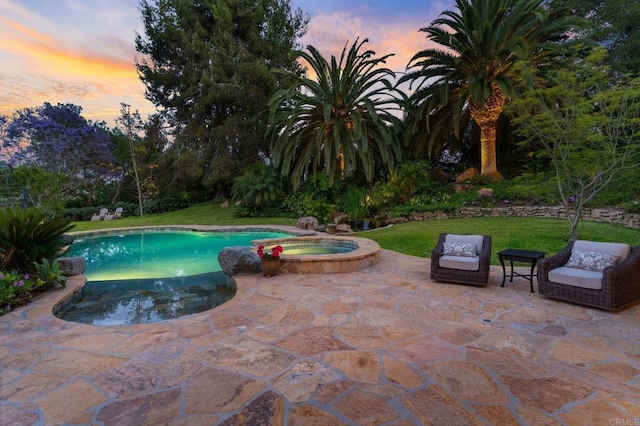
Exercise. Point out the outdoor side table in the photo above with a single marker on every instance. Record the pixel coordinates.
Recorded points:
(524, 256)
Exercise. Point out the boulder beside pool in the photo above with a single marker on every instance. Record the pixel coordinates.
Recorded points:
(237, 260)
(71, 266)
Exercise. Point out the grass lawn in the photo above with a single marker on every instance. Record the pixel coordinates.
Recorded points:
(548, 235)
(414, 238)
(201, 214)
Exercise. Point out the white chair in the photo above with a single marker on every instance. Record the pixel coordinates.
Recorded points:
(101, 215)
(116, 215)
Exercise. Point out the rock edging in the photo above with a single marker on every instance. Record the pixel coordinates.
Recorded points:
(607, 215)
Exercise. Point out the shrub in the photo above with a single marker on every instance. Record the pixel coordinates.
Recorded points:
(48, 274)
(28, 235)
(79, 213)
(15, 290)
(303, 204)
(425, 203)
(354, 203)
(160, 205)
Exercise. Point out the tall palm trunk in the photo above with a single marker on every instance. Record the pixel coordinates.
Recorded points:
(486, 118)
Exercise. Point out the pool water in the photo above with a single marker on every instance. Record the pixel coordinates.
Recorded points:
(146, 276)
(143, 301)
(158, 253)
(314, 248)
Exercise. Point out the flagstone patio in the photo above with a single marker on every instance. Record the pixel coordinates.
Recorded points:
(381, 346)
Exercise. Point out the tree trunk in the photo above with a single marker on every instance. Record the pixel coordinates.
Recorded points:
(486, 118)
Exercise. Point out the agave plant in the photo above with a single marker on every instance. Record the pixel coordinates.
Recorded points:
(48, 274)
(29, 235)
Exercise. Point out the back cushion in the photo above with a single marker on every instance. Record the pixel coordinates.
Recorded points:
(459, 249)
(617, 249)
(466, 239)
(591, 260)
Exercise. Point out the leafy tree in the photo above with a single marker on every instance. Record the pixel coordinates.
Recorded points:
(340, 122)
(478, 65)
(209, 66)
(41, 189)
(66, 145)
(8, 145)
(615, 25)
(588, 124)
(132, 123)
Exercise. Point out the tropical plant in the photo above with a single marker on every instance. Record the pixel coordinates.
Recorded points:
(28, 235)
(48, 274)
(481, 58)
(259, 185)
(340, 122)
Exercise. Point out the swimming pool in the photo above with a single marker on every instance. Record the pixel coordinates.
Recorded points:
(143, 276)
(158, 253)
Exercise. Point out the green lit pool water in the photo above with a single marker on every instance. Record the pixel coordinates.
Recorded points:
(158, 253)
(146, 276)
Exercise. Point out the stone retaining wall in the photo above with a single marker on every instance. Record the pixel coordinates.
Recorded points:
(614, 216)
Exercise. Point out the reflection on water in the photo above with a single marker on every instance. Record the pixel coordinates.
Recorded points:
(142, 276)
(149, 300)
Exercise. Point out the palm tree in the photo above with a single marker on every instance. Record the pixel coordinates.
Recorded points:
(484, 49)
(340, 122)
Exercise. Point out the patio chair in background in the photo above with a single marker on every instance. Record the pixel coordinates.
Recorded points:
(116, 215)
(462, 259)
(601, 275)
(101, 215)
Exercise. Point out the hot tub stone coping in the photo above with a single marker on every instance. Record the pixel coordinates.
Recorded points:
(366, 255)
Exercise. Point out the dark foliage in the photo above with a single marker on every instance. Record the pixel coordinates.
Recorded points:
(164, 205)
(209, 67)
(28, 235)
(614, 25)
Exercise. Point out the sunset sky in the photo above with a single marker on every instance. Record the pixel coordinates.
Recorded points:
(82, 51)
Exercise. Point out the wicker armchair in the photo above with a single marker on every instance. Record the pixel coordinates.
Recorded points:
(620, 283)
(477, 277)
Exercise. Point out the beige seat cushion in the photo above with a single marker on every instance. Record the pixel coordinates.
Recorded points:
(466, 239)
(576, 277)
(460, 262)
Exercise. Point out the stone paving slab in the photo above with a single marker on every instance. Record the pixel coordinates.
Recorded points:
(384, 345)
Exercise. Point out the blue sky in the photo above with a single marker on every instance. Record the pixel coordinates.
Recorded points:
(82, 51)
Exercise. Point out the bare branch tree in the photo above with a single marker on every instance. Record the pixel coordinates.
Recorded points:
(589, 127)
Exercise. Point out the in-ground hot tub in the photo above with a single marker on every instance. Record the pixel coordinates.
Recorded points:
(324, 255)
